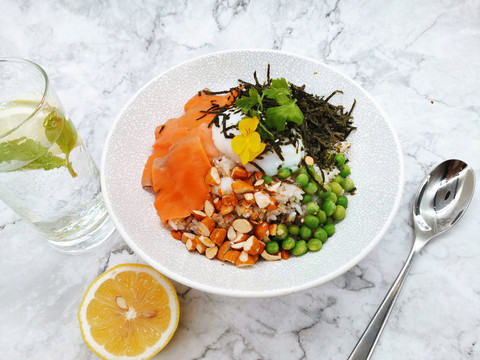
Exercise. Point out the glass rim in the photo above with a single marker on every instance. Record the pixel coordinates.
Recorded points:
(42, 101)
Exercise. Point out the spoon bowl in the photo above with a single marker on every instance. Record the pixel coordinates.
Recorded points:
(440, 202)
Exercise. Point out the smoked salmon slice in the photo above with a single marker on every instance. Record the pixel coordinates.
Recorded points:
(179, 179)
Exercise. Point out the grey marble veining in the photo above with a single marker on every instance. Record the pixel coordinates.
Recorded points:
(419, 60)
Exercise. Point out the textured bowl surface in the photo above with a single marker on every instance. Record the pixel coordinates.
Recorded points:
(375, 155)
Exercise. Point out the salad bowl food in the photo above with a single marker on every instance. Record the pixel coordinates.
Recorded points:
(373, 153)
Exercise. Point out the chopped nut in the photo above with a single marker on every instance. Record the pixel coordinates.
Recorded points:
(209, 208)
(274, 187)
(239, 172)
(271, 257)
(217, 202)
(262, 199)
(261, 230)
(200, 246)
(253, 246)
(206, 241)
(186, 236)
(198, 214)
(226, 209)
(285, 254)
(242, 225)
(222, 250)
(218, 236)
(258, 175)
(248, 197)
(232, 256)
(245, 259)
(241, 187)
(272, 229)
(211, 252)
(240, 237)
(191, 244)
(231, 233)
(273, 205)
(309, 160)
(259, 183)
(206, 226)
(238, 246)
(213, 177)
(176, 234)
(230, 199)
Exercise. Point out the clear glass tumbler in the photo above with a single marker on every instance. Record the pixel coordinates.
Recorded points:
(46, 175)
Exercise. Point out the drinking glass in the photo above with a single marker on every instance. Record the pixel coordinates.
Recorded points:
(46, 175)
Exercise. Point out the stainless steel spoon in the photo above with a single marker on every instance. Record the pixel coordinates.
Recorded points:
(440, 202)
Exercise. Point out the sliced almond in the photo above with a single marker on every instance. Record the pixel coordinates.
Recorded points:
(191, 244)
(217, 202)
(240, 238)
(218, 236)
(273, 204)
(258, 175)
(222, 250)
(261, 230)
(232, 256)
(213, 177)
(272, 229)
(200, 246)
(241, 187)
(209, 208)
(253, 246)
(198, 214)
(245, 259)
(249, 198)
(271, 257)
(226, 209)
(206, 226)
(309, 160)
(242, 225)
(285, 254)
(238, 246)
(274, 187)
(262, 199)
(211, 252)
(206, 241)
(259, 183)
(239, 172)
(231, 233)
(230, 199)
(186, 236)
(121, 302)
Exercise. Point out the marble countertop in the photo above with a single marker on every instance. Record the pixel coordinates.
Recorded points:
(420, 60)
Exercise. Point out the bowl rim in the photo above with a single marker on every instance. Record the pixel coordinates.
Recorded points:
(253, 293)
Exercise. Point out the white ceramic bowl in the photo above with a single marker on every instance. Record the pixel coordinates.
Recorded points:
(375, 161)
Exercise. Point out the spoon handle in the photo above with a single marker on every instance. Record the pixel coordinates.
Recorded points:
(364, 348)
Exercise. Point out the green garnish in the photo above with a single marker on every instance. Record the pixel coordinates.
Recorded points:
(63, 133)
(24, 149)
(245, 103)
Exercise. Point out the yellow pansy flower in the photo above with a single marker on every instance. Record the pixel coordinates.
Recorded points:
(249, 144)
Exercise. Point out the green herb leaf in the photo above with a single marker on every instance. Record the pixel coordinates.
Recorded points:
(63, 133)
(277, 116)
(24, 149)
(245, 103)
(279, 91)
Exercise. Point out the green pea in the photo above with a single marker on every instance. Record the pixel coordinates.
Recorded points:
(311, 169)
(300, 248)
(329, 208)
(312, 221)
(318, 178)
(339, 159)
(293, 230)
(330, 229)
(305, 232)
(284, 173)
(323, 194)
(312, 208)
(331, 197)
(282, 232)
(320, 234)
(288, 243)
(267, 179)
(345, 171)
(322, 216)
(272, 247)
(339, 213)
(329, 220)
(348, 185)
(342, 200)
(306, 198)
(311, 188)
(337, 179)
(302, 170)
(314, 244)
(302, 179)
(336, 188)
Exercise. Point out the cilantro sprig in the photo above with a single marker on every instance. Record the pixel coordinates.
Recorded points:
(276, 117)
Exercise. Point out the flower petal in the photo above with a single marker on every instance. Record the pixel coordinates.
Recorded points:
(245, 156)
(239, 143)
(248, 125)
(254, 142)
